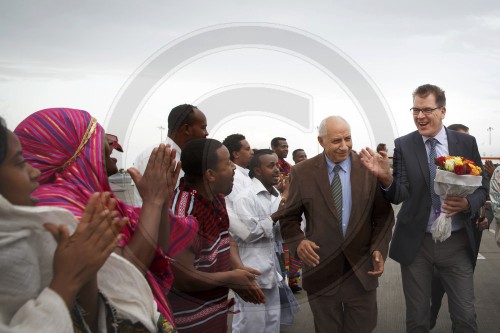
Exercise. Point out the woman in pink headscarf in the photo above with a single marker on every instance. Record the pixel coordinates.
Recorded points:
(69, 148)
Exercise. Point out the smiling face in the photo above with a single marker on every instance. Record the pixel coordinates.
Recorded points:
(337, 141)
(428, 125)
(18, 179)
(268, 171)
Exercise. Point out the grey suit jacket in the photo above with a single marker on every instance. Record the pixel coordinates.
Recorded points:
(369, 229)
(411, 186)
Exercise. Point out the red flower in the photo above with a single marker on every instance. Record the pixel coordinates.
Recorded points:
(468, 168)
(440, 161)
(459, 169)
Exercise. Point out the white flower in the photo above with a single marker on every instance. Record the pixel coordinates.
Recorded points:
(450, 164)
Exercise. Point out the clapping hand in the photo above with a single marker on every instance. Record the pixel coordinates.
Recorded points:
(78, 257)
(489, 167)
(160, 176)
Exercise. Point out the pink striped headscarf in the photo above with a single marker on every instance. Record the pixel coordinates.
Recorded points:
(67, 145)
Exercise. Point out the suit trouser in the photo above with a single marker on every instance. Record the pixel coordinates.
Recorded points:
(350, 309)
(437, 293)
(452, 260)
(258, 317)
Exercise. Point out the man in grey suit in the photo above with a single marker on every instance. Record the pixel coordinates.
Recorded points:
(348, 229)
(412, 244)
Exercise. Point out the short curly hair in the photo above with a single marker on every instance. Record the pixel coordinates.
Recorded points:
(233, 144)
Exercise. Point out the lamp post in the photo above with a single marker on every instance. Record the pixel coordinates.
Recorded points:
(161, 128)
(489, 129)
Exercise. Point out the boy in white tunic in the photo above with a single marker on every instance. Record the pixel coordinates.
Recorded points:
(255, 206)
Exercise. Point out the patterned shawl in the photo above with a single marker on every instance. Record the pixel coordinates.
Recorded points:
(67, 145)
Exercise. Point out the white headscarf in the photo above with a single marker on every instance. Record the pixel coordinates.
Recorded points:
(26, 252)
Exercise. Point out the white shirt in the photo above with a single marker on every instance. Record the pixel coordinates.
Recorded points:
(241, 181)
(141, 162)
(441, 150)
(254, 206)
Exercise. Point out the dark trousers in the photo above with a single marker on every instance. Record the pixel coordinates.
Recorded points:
(452, 261)
(346, 309)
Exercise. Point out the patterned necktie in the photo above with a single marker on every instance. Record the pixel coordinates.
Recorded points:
(336, 188)
(436, 201)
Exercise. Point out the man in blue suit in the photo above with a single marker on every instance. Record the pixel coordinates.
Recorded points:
(412, 244)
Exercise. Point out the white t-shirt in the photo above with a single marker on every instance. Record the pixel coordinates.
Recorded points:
(141, 162)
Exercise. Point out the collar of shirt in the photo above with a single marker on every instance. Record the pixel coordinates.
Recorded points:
(344, 165)
(244, 171)
(440, 137)
(258, 187)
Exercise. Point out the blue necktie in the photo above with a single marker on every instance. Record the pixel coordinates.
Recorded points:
(436, 201)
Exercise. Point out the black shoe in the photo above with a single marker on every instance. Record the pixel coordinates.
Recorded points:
(295, 289)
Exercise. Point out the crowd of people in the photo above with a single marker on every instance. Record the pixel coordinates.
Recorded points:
(218, 216)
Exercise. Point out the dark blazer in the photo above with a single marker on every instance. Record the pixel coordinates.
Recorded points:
(411, 186)
(370, 223)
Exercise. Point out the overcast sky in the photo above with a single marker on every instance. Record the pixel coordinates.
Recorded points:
(81, 54)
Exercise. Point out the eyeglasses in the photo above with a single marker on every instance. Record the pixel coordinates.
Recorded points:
(426, 111)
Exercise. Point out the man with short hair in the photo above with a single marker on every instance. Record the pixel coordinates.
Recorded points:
(205, 271)
(240, 154)
(348, 229)
(255, 206)
(280, 148)
(381, 147)
(185, 123)
(299, 155)
(459, 128)
(412, 183)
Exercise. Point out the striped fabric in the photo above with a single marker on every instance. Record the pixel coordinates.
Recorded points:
(336, 189)
(294, 271)
(203, 311)
(50, 138)
(284, 166)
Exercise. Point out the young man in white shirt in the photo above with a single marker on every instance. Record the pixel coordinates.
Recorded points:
(240, 154)
(255, 206)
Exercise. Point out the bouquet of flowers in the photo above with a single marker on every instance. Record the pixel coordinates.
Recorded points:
(455, 176)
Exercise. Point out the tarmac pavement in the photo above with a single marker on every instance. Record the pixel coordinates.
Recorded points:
(391, 306)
